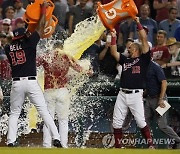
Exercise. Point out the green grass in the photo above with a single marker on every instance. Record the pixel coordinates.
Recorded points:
(84, 151)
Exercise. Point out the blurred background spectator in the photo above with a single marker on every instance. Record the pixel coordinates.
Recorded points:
(107, 62)
(170, 25)
(124, 31)
(174, 50)
(5, 4)
(162, 7)
(139, 3)
(6, 27)
(160, 52)
(147, 21)
(177, 33)
(60, 11)
(19, 10)
(78, 13)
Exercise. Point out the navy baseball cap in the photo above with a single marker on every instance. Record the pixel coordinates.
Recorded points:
(19, 33)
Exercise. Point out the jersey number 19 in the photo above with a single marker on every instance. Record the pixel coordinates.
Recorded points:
(18, 57)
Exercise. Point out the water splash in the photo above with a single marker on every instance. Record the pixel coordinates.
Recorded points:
(85, 34)
(83, 109)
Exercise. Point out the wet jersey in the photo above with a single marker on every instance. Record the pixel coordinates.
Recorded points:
(134, 71)
(56, 70)
(5, 70)
(22, 56)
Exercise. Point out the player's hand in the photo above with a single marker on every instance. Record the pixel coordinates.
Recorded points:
(113, 33)
(107, 45)
(136, 19)
(161, 104)
(45, 4)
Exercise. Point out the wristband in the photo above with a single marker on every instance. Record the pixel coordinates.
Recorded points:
(162, 98)
(113, 41)
(43, 10)
(139, 26)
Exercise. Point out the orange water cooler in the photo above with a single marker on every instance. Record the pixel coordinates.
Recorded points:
(32, 16)
(116, 11)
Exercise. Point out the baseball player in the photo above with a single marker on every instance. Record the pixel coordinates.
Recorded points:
(132, 85)
(21, 54)
(56, 66)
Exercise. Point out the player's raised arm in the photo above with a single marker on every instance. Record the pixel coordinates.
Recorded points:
(113, 46)
(41, 24)
(143, 36)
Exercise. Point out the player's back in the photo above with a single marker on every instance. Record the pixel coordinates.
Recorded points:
(21, 54)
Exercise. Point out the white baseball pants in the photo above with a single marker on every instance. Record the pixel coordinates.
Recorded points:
(58, 102)
(19, 90)
(134, 102)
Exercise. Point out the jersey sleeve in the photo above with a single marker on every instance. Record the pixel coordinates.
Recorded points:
(146, 58)
(34, 38)
(122, 59)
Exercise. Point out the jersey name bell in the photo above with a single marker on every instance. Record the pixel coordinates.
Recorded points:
(17, 54)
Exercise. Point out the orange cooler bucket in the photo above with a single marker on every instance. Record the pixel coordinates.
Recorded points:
(116, 11)
(32, 16)
(50, 27)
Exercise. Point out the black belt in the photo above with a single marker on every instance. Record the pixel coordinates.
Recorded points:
(129, 91)
(21, 78)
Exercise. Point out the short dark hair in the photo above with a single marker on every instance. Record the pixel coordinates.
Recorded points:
(138, 46)
(129, 39)
(172, 8)
(162, 32)
(9, 8)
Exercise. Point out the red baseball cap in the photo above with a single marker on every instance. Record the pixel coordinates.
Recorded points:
(19, 20)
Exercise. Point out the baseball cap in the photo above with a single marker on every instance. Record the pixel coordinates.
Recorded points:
(19, 20)
(18, 33)
(6, 21)
(171, 41)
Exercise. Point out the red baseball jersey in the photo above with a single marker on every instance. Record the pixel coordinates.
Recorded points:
(56, 69)
(5, 70)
